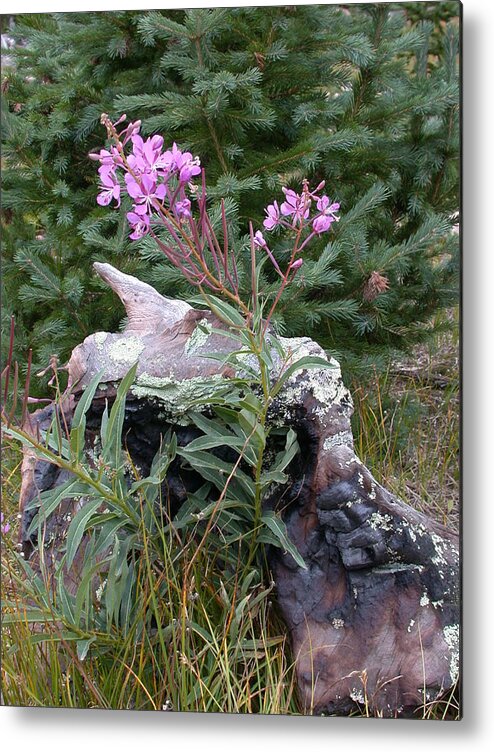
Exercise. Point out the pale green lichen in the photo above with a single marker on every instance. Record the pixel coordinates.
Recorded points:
(100, 339)
(357, 695)
(126, 350)
(397, 566)
(442, 548)
(199, 337)
(176, 396)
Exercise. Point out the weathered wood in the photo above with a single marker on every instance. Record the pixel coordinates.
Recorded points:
(375, 617)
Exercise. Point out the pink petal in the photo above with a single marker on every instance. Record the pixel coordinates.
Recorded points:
(148, 184)
(104, 198)
(160, 191)
(132, 188)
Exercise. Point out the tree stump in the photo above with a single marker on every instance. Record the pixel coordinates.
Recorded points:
(374, 619)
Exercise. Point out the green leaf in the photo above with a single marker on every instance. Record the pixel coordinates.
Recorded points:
(107, 532)
(111, 439)
(48, 501)
(79, 419)
(209, 442)
(309, 361)
(284, 458)
(225, 311)
(273, 476)
(280, 537)
(29, 616)
(77, 528)
(83, 647)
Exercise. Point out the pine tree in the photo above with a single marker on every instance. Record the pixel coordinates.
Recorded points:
(266, 96)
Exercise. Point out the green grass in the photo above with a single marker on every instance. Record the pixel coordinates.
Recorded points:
(213, 641)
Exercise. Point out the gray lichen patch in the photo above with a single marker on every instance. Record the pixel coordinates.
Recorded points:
(344, 438)
(380, 521)
(199, 337)
(443, 548)
(100, 339)
(126, 350)
(176, 396)
(325, 384)
(451, 635)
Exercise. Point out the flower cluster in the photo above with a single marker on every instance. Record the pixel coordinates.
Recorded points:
(156, 181)
(295, 214)
(295, 210)
(153, 177)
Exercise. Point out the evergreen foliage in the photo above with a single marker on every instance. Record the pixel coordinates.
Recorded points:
(364, 97)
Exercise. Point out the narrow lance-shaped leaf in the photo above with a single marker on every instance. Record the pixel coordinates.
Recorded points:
(280, 537)
(111, 439)
(77, 528)
(309, 361)
(79, 420)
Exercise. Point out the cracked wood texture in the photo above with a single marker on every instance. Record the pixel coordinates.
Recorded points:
(374, 619)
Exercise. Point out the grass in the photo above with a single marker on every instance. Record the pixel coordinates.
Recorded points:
(213, 640)
(407, 428)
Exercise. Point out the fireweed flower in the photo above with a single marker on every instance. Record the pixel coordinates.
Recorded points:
(139, 222)
(296, 264)
(298, 206)
(272, 216)
(184, 163)
(109, 160)
(259, 239)
(110, 189)
(4, 526)
(154, 179)
(188, 167)
(147, 156)
(146, 191)
(328, 215)
(182, 208)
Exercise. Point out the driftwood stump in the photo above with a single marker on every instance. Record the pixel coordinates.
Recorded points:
(375, 616)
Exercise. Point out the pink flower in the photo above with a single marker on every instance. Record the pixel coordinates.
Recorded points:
(272, 216)
(146, 192)
(110, 160)
(147, 156)
(186, 165)
(328, 215)
(296, 264)
(139, 222)
(259, 239)
(294, 204)
(182, 208)
(110, 189)
(4, 527)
